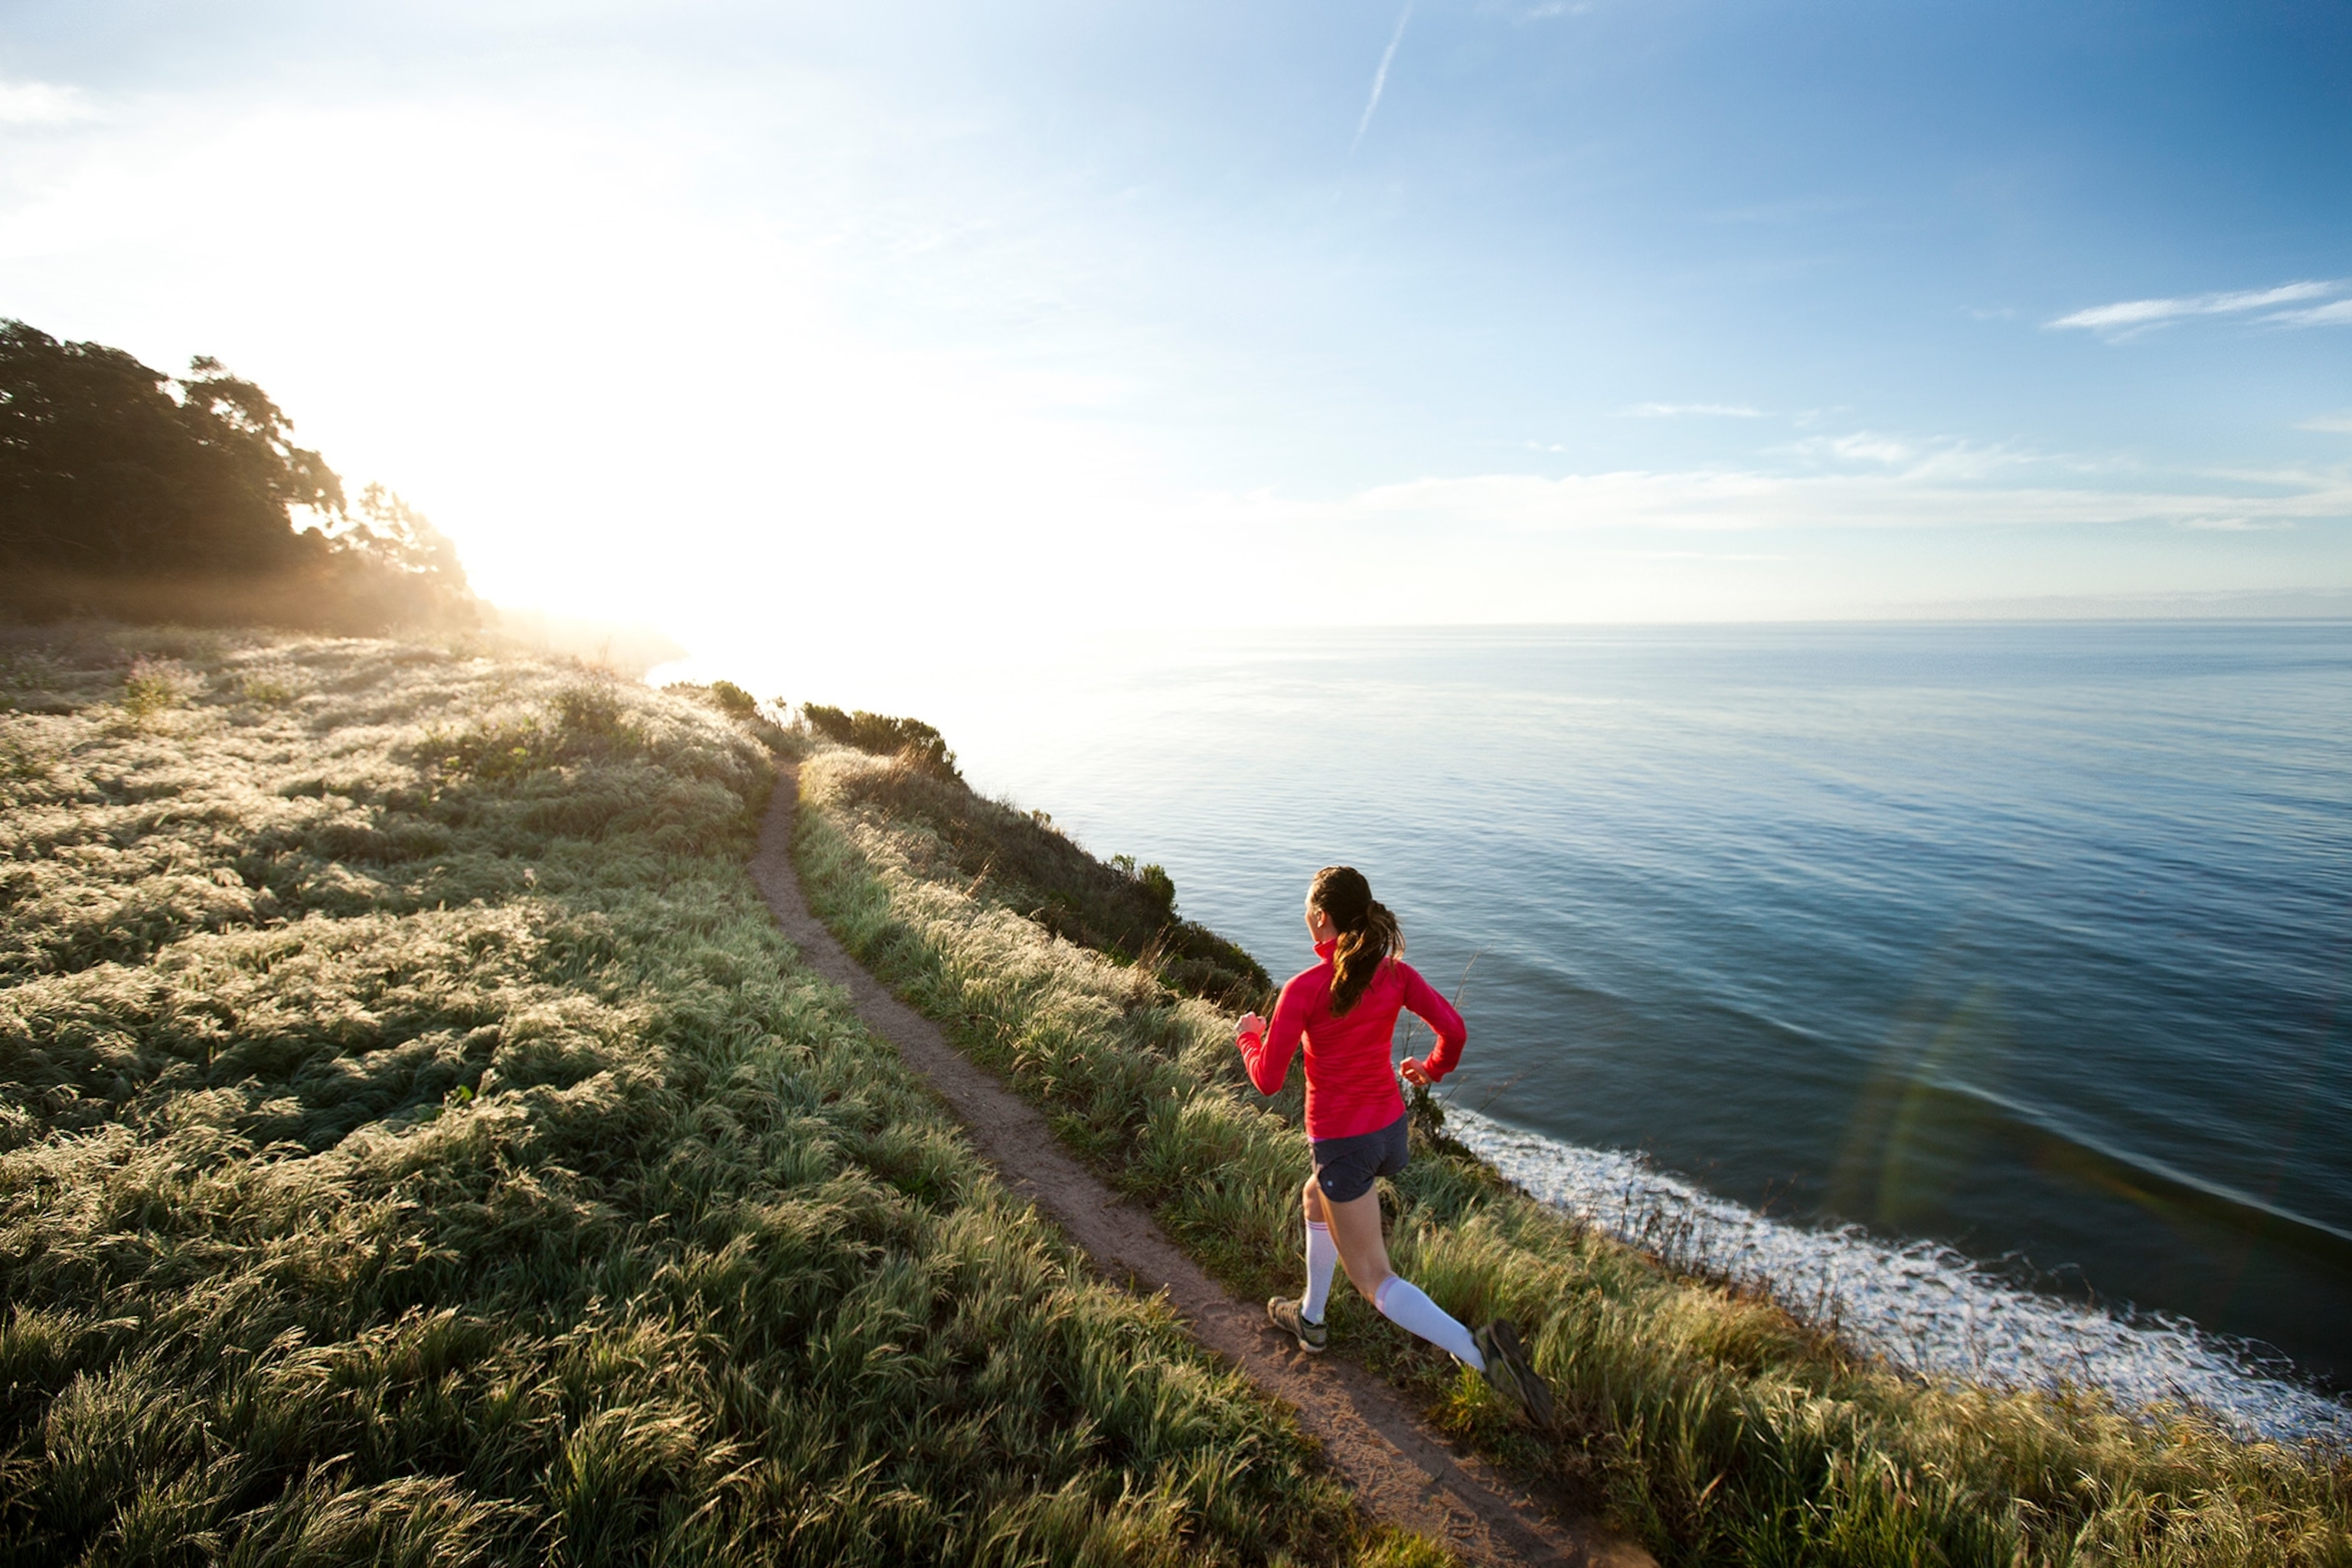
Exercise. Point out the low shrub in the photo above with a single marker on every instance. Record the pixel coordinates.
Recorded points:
(733, 701)
(153, 685)
(923, 746)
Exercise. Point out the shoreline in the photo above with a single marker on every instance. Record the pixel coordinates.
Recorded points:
(1919, 1305)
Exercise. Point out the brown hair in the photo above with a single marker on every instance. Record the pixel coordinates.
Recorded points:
(1368, 932)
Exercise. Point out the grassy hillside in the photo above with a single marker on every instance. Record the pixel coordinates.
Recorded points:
(418, 1146)
(1710, 1423)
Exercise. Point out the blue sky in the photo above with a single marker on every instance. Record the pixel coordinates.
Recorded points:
(1164, 314)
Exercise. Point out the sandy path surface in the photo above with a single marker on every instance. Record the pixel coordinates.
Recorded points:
(1398, 1470)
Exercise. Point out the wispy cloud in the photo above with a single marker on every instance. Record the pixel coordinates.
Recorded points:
(1677, 410)
(40, 103)
(2338, 423)
(2131, 315)
(2335, 314)
(1381, 77)
(1921, 497)
(1859, 447)
(1928, 460)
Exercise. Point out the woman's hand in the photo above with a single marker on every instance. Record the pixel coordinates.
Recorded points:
(1250, 1023)
(1414, 1073)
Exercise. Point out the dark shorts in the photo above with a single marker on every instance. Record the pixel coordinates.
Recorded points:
(1344, 1167)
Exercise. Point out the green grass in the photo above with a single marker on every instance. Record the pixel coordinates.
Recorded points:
(1708, 1421)
(418, 1146)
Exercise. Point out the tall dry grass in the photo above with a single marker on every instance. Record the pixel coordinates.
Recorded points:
(418, 1146)
(1709, 1421)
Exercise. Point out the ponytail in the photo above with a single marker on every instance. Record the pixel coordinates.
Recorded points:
(1369, 933)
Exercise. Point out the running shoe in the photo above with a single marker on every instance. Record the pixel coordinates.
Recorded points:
(1511, 1374)
(1285, 1316)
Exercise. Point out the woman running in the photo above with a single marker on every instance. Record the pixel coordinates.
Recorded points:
(1345, 1009)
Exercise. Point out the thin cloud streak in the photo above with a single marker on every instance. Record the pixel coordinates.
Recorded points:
(2337, 314)
(2127, 315)
(1675, 410)
(1696, 555)
(1728, 499)
(1380, 78)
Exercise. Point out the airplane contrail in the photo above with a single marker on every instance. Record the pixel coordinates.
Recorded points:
(1381, 77)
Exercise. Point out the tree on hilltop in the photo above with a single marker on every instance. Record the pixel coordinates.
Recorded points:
(102, 467)
(141, 493)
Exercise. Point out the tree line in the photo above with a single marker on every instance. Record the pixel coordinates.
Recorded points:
(127, 493)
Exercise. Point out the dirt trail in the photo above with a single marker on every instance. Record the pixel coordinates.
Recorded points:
(1398, 1470)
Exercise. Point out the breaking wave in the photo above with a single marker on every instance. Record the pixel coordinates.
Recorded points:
(1920, 1305)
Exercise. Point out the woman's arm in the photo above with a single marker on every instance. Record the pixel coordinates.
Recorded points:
(1436, 1011)
(1267, 1051)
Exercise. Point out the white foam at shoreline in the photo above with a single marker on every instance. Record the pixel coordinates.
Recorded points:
(1920, 1305)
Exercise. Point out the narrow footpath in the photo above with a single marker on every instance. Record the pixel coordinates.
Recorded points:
(1399, 1472)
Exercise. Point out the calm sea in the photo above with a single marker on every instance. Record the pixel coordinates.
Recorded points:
(1982, 984)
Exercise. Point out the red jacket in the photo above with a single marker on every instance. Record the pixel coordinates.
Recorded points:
(1351, 1087)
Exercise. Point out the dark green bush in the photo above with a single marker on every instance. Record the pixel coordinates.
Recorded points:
(733, 701)
(884, 736)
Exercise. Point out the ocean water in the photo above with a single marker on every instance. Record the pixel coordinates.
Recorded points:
(1983, 985)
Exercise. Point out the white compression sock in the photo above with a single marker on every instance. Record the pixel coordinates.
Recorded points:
(1322, 1257)
(1401, 1302)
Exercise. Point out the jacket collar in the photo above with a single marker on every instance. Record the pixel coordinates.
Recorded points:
(1324, 950)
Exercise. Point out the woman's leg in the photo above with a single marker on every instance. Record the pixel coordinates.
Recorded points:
(1322, 1257)
(1356, 1227)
